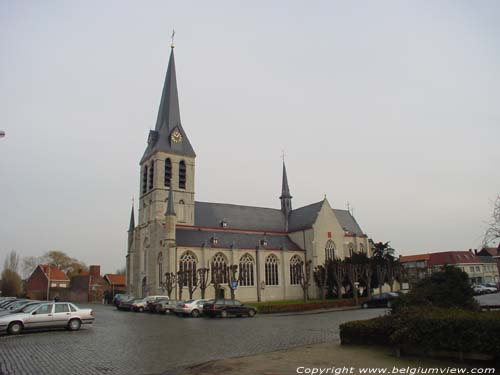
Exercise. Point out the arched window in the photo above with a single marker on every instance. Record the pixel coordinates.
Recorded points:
(187, 263)
(361, 248)
(219, 268)
(182, 211)
(295, 270)
(272, 270)
(145, 179)
(160, 269)
(330, 250)
(246, 270)
(168, 171)
(182, 175)
(351, 249)
(151, 175)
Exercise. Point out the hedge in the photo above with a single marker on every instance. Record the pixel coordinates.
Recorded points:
(429, 330)
(270, 308)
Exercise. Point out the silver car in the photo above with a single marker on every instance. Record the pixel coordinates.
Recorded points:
(193, 307)
(47, 315)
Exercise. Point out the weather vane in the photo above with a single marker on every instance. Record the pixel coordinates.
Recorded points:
(283, 155)
(172, 45)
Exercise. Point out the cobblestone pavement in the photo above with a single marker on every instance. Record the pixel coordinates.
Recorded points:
(134, 343)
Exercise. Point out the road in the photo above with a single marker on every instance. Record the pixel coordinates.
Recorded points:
(134, 343)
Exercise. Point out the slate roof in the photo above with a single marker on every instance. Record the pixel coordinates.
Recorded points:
(238, 217)
(188, 237)
(348, 222)
(304, 217)
(168, 119)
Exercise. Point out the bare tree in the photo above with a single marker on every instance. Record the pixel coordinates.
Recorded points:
(320, 278)
(233, 280)
(366, 270)
(169, 283)
(181, 278)
(203, 275)
(192, 282)
(303, 271)
(218, 276)
(11, 281)
(353, 273)
(493, 232)
(381, 271)
(11, 262)
(336, 270)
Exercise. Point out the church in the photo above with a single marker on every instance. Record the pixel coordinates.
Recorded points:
(175, 232)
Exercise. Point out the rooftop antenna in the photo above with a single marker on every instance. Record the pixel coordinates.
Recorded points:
(172, 45)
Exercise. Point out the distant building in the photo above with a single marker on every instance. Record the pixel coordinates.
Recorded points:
(491, 252)
(89, 286)
(116, 283)
(47, 280)
(480, 269)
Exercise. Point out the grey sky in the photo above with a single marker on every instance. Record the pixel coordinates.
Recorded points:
(390, 105)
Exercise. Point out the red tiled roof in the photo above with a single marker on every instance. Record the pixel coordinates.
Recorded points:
(452, 257)
(55, 273)
(114, 279)
(413, 258)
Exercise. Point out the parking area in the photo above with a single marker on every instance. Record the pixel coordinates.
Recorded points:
(141, 343)
(489, 299)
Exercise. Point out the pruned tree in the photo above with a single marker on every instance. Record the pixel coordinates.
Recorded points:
(203, 278)
(169, 283)
(381, 272)
(192, 282)
(353, 271)
(492, 234)
(181, 281)
(233, 279)
(305, 277)
(218, 275)
(336, 270)
(367, 270)
(320, 276)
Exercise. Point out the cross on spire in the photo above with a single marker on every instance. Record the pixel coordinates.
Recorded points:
(172, 45)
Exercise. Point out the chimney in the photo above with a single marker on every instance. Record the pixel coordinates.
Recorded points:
(95, 270)
(475, 251)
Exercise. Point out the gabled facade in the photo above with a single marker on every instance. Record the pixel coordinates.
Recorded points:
(47, 281)
(176, 232)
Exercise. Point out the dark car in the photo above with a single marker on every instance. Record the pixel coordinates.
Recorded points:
(225, 307)
(155, 305)
(118, 298)
(4, 305)
(381, 300)
(127, 305)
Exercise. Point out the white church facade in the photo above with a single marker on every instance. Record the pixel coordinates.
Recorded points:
(175, 232)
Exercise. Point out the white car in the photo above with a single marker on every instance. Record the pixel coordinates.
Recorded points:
(193, 307)
(481, 289)
(47, 315)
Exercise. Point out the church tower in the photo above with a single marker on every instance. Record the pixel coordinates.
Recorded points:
(168, 162)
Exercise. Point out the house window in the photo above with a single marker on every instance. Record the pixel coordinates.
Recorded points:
(246, 270)
(478, 269)
(272, 270)
(471, 269)
(361, 248)
(351, 249)
(62, 285)
(182, 175)
(151, 175)
(330, 250)
(168, 171)
(53, 285)
(187, 263)
(295, 270)
(145, 179)
(219, 266)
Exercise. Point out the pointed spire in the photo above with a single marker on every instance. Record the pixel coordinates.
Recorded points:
(168, 120)
(132, 220)
(286, 198)
(170, 204)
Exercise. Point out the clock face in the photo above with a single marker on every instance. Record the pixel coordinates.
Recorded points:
(176, 136)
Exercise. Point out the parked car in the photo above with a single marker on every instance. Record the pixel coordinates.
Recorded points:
(165, 306)
(225, 307)
(18, 304)
(47, 315)
(380, 300)
(24, 308)
(481, 289)
(491, 285)
(140, 306)
(127, 304)
(118, 298)
(193, 307)
(152, 306)
(5, 303)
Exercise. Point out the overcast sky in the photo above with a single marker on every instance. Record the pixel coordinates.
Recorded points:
(390, 105)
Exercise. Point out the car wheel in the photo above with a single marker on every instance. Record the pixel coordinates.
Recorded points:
(74, 324)
(15, 328)
(195, 313)
(251, 313)
(223, 314)
(364, 305)
(389, 304)
(141, 309)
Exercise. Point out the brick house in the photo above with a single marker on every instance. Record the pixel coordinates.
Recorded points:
(45, 280)
(117, 283)
(88, 286)
(492, 252)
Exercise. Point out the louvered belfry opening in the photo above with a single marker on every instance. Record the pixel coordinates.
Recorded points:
(145, 180)
(182, 175)
(151, 175)
(168, 171)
